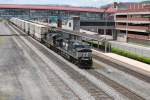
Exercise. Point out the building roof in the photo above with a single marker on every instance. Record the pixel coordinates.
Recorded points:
(111, 9)
(48, 7)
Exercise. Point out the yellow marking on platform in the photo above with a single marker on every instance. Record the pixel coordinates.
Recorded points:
(1, 40)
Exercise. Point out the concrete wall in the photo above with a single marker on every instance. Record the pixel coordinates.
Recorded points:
(142, 42)
(140, 50)
(72, 24)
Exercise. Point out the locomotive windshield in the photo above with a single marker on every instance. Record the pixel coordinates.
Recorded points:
(81, 45)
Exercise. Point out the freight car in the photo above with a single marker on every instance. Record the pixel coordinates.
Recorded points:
(73, 50)
(37, 31)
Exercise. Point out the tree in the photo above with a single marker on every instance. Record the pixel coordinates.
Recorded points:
(148, 31)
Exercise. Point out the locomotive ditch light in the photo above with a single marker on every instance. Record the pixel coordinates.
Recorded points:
(109, 71)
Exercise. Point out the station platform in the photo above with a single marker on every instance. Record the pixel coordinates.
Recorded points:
(126, 62)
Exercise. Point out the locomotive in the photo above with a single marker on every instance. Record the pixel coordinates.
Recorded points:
(74, 50)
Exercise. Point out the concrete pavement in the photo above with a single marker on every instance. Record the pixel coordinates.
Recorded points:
(23, 76)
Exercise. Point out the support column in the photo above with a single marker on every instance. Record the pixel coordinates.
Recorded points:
(127, 28)
(105, 31)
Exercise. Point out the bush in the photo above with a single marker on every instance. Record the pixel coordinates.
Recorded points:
(131, 55)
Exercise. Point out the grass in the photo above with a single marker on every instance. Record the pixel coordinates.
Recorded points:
(131, 55)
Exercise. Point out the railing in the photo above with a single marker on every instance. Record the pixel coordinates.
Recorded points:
(140, 19)
(96, 19)
(133, 10)
(143, 37)
(133, 27)
(134, 19)
(121, 18)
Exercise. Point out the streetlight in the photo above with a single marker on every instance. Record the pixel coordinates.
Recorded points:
(105, 30)
(106, 27)
(127, 28)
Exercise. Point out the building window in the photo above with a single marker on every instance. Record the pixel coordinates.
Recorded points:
(69, 24)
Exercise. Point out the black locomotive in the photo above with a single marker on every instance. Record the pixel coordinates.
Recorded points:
(73, 50)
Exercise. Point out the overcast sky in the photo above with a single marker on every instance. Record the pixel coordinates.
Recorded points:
(93, 3)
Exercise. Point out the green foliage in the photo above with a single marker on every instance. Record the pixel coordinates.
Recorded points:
(148, 31)
(131, 55)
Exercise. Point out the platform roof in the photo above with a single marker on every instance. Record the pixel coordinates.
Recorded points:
(49, 7)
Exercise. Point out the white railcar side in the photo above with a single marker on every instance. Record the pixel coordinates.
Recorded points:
(32, 29)
(40, 30)
(27, 27)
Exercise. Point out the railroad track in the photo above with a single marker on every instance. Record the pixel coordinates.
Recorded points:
(53, 79)
(93, 90)
(124, 69)
(121, 89)
(97, 93)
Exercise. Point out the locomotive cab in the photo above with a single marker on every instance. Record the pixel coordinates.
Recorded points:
(83, 52)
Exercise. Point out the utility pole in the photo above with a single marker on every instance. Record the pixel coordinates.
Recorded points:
(127, 27)
(106, 27)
